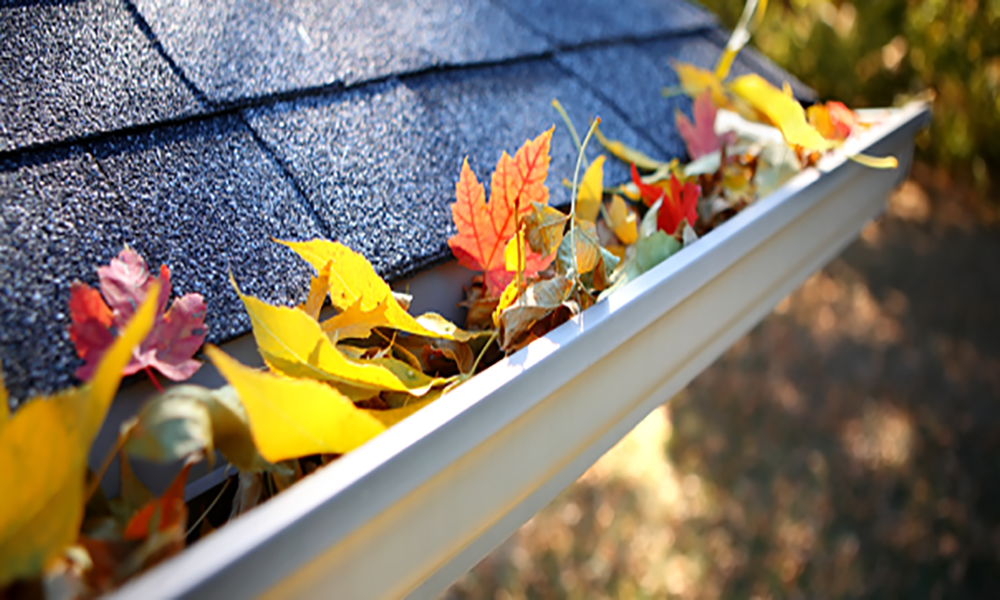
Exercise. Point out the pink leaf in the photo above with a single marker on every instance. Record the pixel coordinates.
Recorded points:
(700, 137)
(169, 346)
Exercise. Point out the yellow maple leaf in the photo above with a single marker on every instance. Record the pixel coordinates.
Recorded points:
(293, 343)
(352, 279)
(290, 418)
(43, 458)
(354, 322)
(588, 198)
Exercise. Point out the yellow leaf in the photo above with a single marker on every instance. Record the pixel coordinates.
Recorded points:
(295, 344)
(623, 221)
(695, 81)
(786, 114)
(627, 154)
(318, 288)
(352, 279)
(875, 162)
(355, 323)
(515, 254)
(291, 418)
(507, 298)
(588, 199)
(588, 248)
(43, 458)
(544, 227)
(394, 415)
(446, 328)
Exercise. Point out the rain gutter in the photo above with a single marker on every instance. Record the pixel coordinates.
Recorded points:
(411, 510)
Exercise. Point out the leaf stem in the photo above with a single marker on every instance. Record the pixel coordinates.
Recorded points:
(106, 464)
(482, 353)
(212, 505)
(156, 384)
(572, 130)
(576, 181)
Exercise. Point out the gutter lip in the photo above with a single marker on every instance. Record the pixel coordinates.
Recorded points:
(413, 450)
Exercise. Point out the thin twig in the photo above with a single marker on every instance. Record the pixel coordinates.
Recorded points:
(572, 130)
(482, 353)
(576, 180)
(99, 475)
(212, 505)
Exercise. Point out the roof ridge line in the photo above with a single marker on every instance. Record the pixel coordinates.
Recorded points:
(220, 110)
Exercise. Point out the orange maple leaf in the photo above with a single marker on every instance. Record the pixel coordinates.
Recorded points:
(484, 229)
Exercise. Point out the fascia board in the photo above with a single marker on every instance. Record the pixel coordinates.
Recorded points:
(409, 511)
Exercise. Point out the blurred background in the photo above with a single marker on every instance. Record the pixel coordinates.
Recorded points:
(849, 446)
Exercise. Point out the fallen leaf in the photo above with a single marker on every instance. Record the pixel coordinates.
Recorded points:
(544, 228)
(784, 112)
(187, 420)
(250, 492)
(356, 323)
(679, 205)
(624, 222)
(291, 418)
(319, 287)
(648, 193)
(166, 512)
(588, 198)
(352, 280)
(628, 154)
(485, 229)
(125, 283)
(700, 137)
(538, 300)
(293, 343)
(43, 458)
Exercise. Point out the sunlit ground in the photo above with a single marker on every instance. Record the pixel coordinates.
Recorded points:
(848, 446)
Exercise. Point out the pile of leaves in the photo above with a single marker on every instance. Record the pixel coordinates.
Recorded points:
(336, 377)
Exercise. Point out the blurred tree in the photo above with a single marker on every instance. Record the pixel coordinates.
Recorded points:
(877, 52)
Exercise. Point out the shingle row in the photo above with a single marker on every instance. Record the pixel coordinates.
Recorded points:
(372, 166)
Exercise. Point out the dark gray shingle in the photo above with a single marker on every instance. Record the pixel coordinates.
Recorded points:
(70, 69)
(234, 49)
(584, 21)
(631, 76)
(203, 198)
(380, 164)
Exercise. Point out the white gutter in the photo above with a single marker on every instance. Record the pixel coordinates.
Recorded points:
(410, 511)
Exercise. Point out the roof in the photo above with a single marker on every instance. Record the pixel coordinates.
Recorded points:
(195, 132)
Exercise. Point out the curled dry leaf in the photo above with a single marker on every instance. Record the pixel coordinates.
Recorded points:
(188, 420)
(125, 283)
(538, 300)
(544, 228)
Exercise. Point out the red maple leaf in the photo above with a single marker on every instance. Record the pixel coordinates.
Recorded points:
(175, 337)
(680, 204)
(484, 229)
(649, 193)
(700, 137)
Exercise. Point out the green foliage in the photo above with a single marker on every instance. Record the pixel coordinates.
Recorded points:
(880, 52)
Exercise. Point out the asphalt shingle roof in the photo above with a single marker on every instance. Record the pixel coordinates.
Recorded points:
(196, 131)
